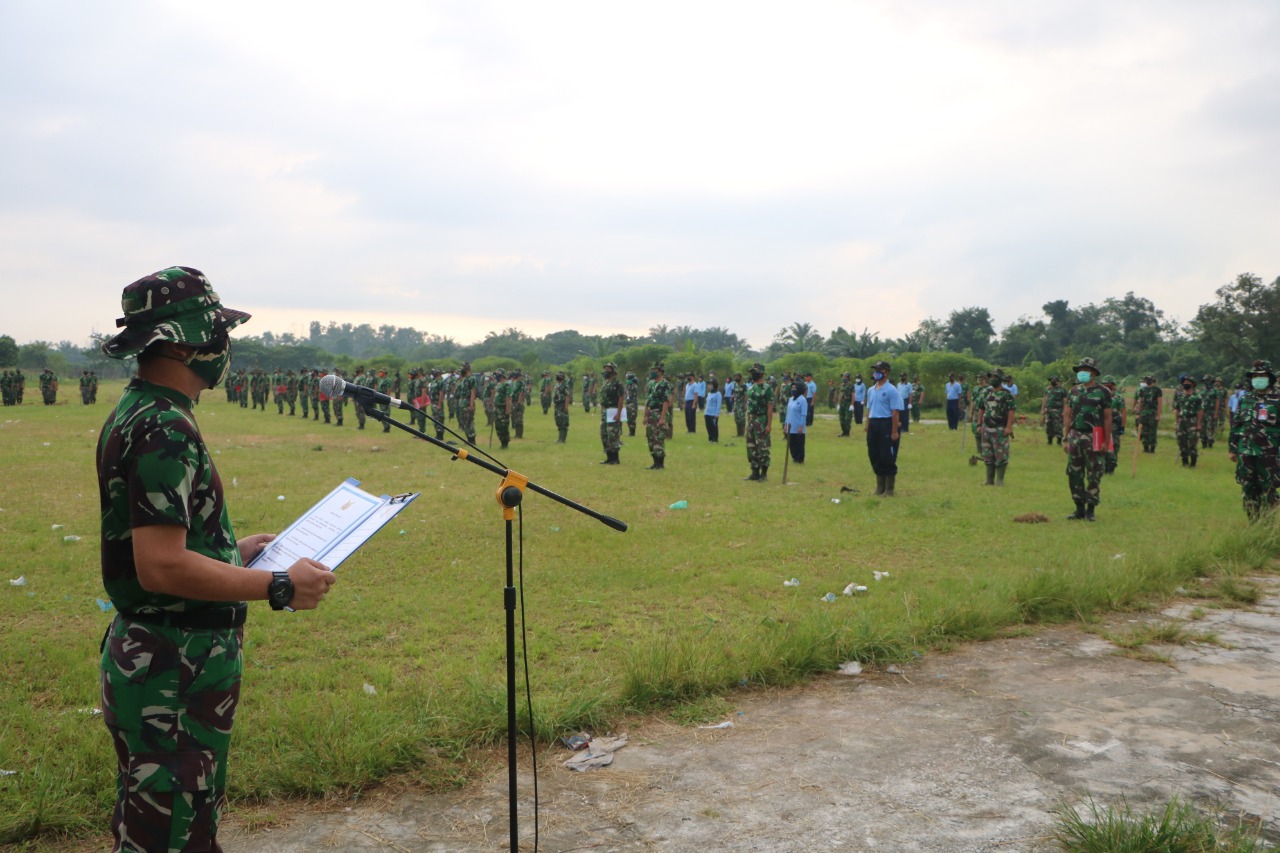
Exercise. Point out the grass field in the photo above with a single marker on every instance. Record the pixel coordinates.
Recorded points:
(684, 607)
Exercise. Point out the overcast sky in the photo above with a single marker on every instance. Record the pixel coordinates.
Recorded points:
(466, 166)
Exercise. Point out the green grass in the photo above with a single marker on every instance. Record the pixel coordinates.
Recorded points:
(1177, 827)
(671, 616)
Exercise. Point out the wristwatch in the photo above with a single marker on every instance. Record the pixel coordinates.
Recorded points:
(280, 591)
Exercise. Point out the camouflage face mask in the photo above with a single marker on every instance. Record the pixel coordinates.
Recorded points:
(211, 362)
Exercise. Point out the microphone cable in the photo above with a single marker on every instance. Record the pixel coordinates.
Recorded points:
(528, 689)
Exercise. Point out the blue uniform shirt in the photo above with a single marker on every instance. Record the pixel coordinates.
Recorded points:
(881, 401)
(713, 404)
(859, 392)
(797, 414)
(953, 390)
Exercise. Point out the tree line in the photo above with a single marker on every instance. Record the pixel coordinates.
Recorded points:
(1129, 336)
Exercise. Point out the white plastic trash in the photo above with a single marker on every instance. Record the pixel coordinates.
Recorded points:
(792, 582)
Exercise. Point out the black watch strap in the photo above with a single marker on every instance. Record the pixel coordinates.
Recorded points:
(280, 590)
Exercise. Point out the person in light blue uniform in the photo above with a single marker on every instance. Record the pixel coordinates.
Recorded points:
(797, 420)
(810, 396)
(702, 392)
(711, 414)
(954, 390)
(690, 404)
(730, 389)
(1011, 386)
(904, 391)
(859, 399)
(885, 413)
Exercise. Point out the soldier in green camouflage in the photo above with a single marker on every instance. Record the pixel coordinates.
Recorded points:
(339, 402)
(84, 387)
(519, 399)
(657, 412)
(6, 387)
(230, 385)
(759, 424)
(48, 387)
(502, 408)
(19, 386)
(845, 406)
(304, 391)
(544, 391)
(978, 397)
(561, 397)
(996, 414)
(1254, 441)
(632, 387)
(917, 399)
(1213, 401)
(436, 389)
(318, 404)
(1190, 414)
(466, 391)
(739, 405)
(1087, 417)
(613, 407)
(291, 391)
(172, 656)
(1055, 396)
(1147, 404)
(383, 385)
(1119, 422)
(278, 389)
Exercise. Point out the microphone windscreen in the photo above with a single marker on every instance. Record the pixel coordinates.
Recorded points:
(332, 386)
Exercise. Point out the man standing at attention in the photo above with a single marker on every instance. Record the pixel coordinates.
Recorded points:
(884, 414)
(171, 658)
(904, 391)
(953, 390)
(657, 407)
(613, 405)
(997, 412)
(1087, 417)
(1055, 396)
(1147, 401)
(759, 423)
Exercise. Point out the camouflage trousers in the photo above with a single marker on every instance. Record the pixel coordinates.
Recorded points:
(467, 422)
(338, 404)
(759, 441)
(1259, 478)
(1084, 468)
(978, 435)
(280, 403)
(562, 418)
(740, 417)
(517, 419)
(545, 399)
(437, 414)
(611, 435)
(502, 426)
(304, 401)
(324, 407)
(169, 698)
(655, 435)
(1112, 460)
(995, 446)
(1053, 425)
(846, 418)
(292, 399)
(1208, 430)
(359, 414)
(632, 411)
(1147, 430)
(1188, 438)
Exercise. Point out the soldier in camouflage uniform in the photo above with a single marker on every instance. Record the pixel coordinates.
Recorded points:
(48, 387)
(384, 385)
(1119, 422)
(172, 656)
(632, 386)
(657, 412)
(339, 402)
(613, 408)
(1254, 441)
(996, 414)
(561, 397)
(519, 399)
(466, 391)
(319, 402)
(19, 386)
(917, 399)
(502, 408)
(436, 389)
(1055, 396)
(759, 424)
(278, 390)
(1147, 404)
(6, 387)
(291, 391)
(739, 405)
(1190, 409)
(304, 391)
(1213, 400)
(230, 385)
(845, 405)
(1087, 417)
(84, 387)
(544, 391)
(975, 423)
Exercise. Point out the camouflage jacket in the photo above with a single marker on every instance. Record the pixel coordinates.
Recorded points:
(1147, 398)
(1054, 397)
(612, 396)
(1088, 404)
(659, 392)
(153, 468)
(996, 406)
(1189, 405)
(1255, 428)
(759, 399)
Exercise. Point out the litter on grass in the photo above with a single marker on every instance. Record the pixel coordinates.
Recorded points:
(727, 724)
(880, 575)
(679, 505)
(598, 753)
(55, 527)
(21, 580)
(792, 582)
(829, 597)
(104, 606)
(851, 667)
(70, 538)
(370, 689)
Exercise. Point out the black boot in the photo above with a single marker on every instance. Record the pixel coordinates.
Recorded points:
(1000, 473)
(890, 481)
(755, 474)
(1088, 513)
(564, 433)
(764, 473)
(1184, 460)
(880, 478)
(657, 464)
(1193, 460)
(1078, 514)
(991, 474)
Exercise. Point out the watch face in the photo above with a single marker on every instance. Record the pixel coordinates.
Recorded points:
(281, 591)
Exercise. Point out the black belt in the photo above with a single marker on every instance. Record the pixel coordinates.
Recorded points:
(214, 619)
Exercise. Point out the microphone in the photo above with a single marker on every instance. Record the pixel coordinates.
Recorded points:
(334, 386)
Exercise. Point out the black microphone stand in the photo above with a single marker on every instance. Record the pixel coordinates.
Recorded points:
(509, 495)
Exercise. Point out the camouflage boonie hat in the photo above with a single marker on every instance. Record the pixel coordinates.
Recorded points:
(1206, 378)
(1107, 380)
(657, 365)
(1187, 377)
(176, 304)
(610, 366)
(1055, 378)
(1261, 367)
(1087, 364)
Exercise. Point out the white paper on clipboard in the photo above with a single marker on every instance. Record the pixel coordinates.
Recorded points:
(333, 529)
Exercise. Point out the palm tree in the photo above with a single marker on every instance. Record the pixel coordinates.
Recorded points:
(799, 337)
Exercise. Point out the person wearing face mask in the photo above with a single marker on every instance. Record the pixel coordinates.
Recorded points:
(1190, 409)
(795, 422)
(859, 399)
(759, 424)
(1147, 402)
(885, 412)
(996, 415)
(1119, 422)
(1051, 409)
(613, 408)
(657, 408)
(171, 657)
(1254, 441)
(1087, 417)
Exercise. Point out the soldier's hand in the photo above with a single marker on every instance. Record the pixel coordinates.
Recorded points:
(251, 546)
(311, 582)
(1231, 456)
